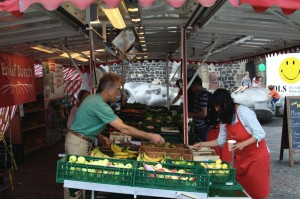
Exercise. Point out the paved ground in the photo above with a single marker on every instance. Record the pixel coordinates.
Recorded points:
(35, 178)
(285, 180)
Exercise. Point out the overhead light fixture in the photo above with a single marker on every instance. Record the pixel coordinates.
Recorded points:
(76, 56)
(95, 22)
(100, 50)
(45, 49)
(136, 20)
(114, 16)
(133, 9)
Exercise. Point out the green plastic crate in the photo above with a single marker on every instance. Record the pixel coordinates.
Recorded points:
(196, 179)
(95, 173)
(217, 176)
(235, 186)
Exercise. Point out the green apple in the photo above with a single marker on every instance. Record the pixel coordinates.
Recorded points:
(157, 166)
(92, 170)
(129, 166)
(181, 171)
(72, 159)
(81, 160)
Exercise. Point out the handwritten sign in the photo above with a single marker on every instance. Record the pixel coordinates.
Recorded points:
(290, 138)
(294, 105)
(17, 84)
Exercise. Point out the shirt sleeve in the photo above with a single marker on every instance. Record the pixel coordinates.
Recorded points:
(250, 122)
(222, 138)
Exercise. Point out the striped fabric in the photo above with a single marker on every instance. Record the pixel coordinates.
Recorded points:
(6, 113)
(72, 82)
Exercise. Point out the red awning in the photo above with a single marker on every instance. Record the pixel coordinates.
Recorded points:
(287, 6)
(11, 6)
(17, 6)
(54, 4)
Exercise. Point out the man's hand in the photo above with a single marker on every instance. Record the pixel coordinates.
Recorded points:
(104, 140)
(156, 138)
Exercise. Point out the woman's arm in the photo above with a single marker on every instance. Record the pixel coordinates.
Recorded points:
(251, 124)
(71, 116)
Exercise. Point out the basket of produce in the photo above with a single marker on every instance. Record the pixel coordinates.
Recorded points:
(163, 156)
(171, 177)
(166, 147)
(92, 169)
(221, 173)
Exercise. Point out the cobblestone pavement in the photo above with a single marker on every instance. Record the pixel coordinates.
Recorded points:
(285, 180)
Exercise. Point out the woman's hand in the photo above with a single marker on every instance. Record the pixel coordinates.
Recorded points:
(240, 146)
(197, 146)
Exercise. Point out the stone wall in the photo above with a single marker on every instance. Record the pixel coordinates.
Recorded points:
(149, 72)
(226, 76)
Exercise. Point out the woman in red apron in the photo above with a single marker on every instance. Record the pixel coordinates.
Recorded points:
(251, 154)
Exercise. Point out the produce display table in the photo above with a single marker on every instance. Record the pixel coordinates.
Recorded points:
(139, 191)
(135, 191)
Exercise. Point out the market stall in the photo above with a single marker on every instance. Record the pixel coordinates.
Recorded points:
(157, 171)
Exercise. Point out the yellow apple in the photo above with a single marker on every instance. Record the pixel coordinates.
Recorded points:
(218, 166)
(218, 161)
(224, 166)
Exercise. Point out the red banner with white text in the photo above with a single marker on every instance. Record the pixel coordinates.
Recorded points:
(17, 83)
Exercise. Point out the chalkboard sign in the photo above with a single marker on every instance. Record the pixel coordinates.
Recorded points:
(290, 138)
(294, 124)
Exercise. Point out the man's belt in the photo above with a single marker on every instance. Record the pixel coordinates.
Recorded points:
(81, 136)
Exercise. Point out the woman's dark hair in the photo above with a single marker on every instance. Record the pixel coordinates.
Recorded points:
(82, 94)
(222, 98)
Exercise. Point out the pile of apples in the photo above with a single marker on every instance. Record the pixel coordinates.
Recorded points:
(103, 163)
(218, 165)
(158, 168)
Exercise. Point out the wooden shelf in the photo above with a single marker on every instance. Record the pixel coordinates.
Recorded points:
(27, 151)
(34, 110)
(34, 127)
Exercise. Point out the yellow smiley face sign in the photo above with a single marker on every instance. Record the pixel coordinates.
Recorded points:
(289, 70)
